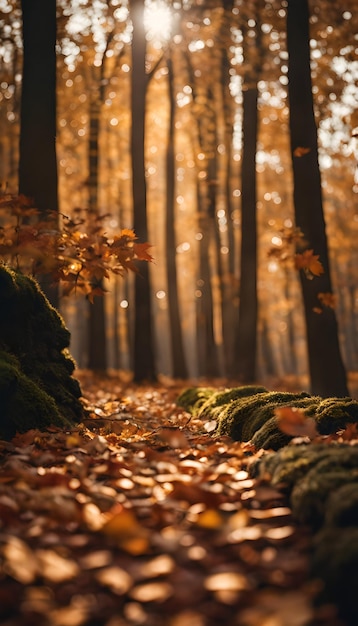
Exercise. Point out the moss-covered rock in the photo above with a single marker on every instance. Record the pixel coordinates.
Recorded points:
(23, 404)
(335, 560)
(342, 506)
(310, 495)
(292, 463)
(248, 413)
(333, 414)
(213, 406)
(191, 399)
(36, 383)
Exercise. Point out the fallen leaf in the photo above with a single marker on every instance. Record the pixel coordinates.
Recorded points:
(116, 578)
(292, 421)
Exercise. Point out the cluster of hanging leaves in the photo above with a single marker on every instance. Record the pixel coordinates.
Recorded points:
(75, 251)
(141, 516)
(290, 239)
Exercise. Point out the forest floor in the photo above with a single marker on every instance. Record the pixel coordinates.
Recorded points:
(142, 517)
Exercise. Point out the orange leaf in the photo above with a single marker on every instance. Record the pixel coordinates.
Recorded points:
(327, 299)
(292, 421)
(309, 263)
(300, 151)
(141, 253)
(128, 233)
(123, 528)
(96, 291)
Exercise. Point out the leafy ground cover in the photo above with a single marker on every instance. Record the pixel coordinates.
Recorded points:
(141, 516)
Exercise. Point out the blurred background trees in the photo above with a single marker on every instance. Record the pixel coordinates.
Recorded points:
(194, 148)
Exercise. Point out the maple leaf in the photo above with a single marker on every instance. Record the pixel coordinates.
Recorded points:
(96, 291)
(140, 250)
(327, 299)
(309, 263)
(300, 151)
(127, 233)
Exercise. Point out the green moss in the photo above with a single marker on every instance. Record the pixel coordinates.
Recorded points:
(342, 506)
(247, 413)
(269, 436)
(242, 418)
(322, 483)
(24, 404)
(191, 399)
(309, 495)
(334, 414)
(334, 560)
(34, 333)
(212, 407)
(293, 462)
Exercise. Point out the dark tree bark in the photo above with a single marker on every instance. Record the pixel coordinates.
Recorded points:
(37, 161)
(179, 367)
(144, 361)
(327, 372)
(246, 338)
(208, 364)
(97, 351)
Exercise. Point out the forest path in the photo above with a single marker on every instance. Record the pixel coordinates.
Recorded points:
(144, 517)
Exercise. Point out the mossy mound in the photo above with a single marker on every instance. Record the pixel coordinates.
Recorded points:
(36, 384)
(248, 413)
(322, 482)
(193, 398)
(334, 414)
(243, 418)
(214, 405)
(335, 560)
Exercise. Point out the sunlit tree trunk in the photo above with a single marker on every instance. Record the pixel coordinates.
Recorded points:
(37, 160)
(179, 367)
(245, 342)
(144, 361)
(208, 358)
(97, 352)
(246, 334)
(327, 372)
(206, 346)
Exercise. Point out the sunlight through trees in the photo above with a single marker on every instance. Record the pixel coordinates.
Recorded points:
(179, 174)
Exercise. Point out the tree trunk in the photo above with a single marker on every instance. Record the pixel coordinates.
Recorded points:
(326, 369)
(97, 352)
(179, 368)
(246, 339)
(206, 346)
(37, 160)
(144, 362)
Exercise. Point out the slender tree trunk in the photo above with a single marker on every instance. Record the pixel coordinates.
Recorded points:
(179, 368)
(37, 161)
(246, 339)
(327, 372)
(144, 362)
(206, 346)
(97, 351)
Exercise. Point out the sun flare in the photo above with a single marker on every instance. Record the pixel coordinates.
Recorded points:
(158, 20)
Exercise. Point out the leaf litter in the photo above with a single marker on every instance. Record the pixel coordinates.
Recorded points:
(142, 516)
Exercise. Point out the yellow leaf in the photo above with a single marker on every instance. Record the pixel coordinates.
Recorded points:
(123, 527)
(209, 519)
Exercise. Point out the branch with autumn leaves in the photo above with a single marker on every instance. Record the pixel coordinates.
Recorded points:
(292, 238)
(74, 251)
